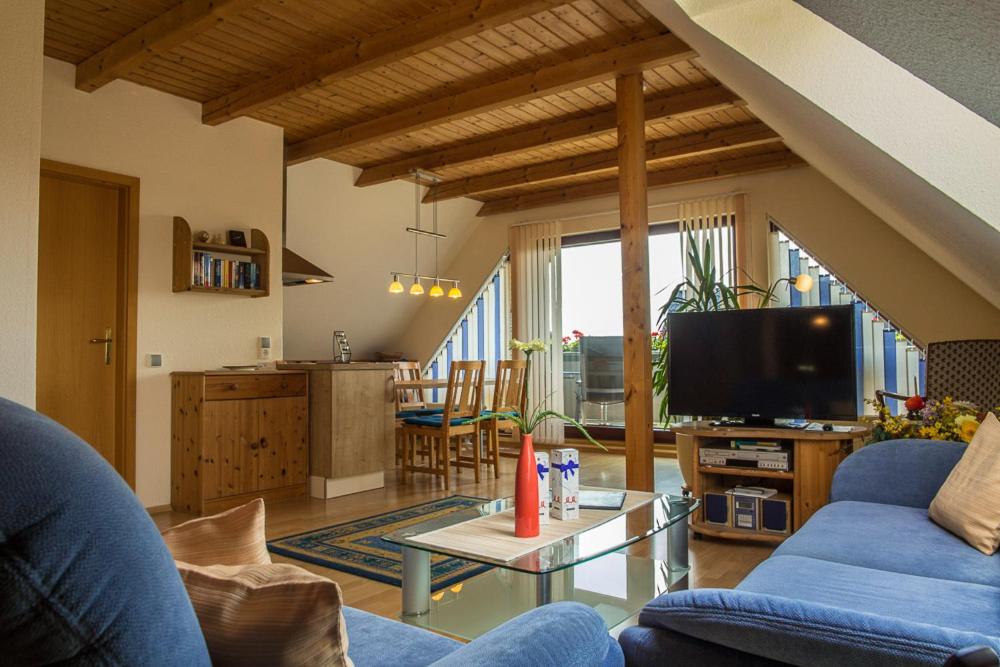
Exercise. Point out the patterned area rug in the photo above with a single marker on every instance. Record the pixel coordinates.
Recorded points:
(357, 547)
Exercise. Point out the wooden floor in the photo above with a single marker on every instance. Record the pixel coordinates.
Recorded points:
(715, 563)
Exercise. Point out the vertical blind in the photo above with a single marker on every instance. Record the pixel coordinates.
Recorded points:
(537, 313)
(885, 358)
(481, 332)
(713, 220)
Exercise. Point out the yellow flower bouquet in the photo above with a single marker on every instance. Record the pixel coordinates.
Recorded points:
(946, 419)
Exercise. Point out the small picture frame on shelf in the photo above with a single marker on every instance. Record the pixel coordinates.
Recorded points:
(239, 237)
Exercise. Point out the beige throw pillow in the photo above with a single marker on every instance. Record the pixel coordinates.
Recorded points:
(234, 537)
(267, 615)
(968, 503)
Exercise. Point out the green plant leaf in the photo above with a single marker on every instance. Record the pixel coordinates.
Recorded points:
(552, 414)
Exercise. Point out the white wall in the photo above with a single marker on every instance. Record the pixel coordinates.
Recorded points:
(357, 234)
(216, 178)
(21, 34)
(898, 278)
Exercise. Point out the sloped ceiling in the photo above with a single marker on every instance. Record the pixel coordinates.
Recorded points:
(922, 162)
(954, 47)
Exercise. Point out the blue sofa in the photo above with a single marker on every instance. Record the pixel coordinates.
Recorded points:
(868, 580)
(85, 579)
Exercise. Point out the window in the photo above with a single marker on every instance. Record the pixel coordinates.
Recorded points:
(591, 304)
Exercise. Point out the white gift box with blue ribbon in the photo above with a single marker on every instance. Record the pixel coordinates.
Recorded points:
(544, 493)
(565, 484)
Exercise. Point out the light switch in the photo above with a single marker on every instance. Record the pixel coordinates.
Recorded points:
(155, 360)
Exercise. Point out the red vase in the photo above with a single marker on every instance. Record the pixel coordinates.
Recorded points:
(526, 491)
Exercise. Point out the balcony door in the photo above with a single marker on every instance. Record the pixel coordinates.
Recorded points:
(592, 317)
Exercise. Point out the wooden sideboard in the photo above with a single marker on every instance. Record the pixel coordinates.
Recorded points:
(236, 436)
(815, 457)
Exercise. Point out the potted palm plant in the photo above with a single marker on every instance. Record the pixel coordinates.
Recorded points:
(525, 483)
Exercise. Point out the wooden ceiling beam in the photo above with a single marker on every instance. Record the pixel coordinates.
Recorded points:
(700, 172)
(466, 18)
(166, 31)
(675, 105)
(592, 68)
(688, 145)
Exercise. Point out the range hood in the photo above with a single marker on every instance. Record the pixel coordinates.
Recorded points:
(297, 270)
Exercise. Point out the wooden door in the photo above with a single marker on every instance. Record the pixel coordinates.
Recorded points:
(87, 277)
(284, 434)
(231, 433)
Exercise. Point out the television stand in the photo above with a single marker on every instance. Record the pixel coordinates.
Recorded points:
(815, 456)
(761, 422)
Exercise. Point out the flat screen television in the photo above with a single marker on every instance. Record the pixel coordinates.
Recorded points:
(763, 364)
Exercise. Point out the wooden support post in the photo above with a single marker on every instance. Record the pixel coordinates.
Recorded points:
(638, 367)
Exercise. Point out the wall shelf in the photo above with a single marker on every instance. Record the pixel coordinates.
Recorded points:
(259, 253)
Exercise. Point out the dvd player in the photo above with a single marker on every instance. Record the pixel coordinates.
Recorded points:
(742, 458)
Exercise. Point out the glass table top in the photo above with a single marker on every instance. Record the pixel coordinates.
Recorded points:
(622, 529)
(617, 586)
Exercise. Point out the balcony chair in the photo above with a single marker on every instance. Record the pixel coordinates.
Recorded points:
(463, 402)
(602, 372)
(509, 394)
(966, 370)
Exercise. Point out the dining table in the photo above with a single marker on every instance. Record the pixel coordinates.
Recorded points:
(432, 383)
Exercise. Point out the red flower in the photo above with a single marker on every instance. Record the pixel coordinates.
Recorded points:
(577, 334)
(566, 339)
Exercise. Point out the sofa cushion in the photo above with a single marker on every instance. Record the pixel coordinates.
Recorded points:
(803, 632)
(84, 575)
(949, 604)
(269, 615)
(891, 538)
(376, 641)
(233, 537)
(968, 503)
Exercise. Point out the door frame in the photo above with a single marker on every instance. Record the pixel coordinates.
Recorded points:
(127, 299)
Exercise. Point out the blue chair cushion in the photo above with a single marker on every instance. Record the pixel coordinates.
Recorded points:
(374, 641)
(510, 413)
(891, 538)
(84, 575)
(422, 412)
(435, 421)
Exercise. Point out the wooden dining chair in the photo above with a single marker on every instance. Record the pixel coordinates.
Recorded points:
(409, 402)
(463, 402)
(509, 394)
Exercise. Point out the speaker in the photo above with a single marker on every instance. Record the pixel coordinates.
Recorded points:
(718, 508)
(776, 514)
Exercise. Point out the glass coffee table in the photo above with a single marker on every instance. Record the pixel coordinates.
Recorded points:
(602, 565)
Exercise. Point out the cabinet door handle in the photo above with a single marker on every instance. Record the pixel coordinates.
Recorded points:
(284, 385)
(263, 443)
(233, 387)
(253, 445)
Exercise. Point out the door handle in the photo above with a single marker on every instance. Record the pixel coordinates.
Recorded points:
(106, 341)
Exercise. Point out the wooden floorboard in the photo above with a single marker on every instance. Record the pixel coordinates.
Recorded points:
(715, 563)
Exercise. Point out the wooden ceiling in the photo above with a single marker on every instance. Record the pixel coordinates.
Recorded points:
(510, 102)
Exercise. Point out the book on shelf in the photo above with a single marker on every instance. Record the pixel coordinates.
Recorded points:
(209, 271)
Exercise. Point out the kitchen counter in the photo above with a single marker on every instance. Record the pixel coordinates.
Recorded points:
(329, 365)
(352, 423)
